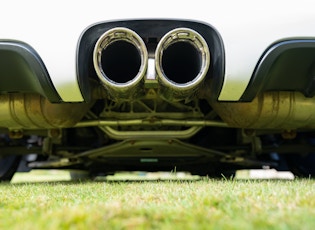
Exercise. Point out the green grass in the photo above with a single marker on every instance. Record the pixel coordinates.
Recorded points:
(203, 204)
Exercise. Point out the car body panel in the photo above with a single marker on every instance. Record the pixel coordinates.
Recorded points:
(247, 28)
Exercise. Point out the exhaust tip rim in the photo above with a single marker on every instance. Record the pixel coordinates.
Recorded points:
(193, 38)
(114, 35)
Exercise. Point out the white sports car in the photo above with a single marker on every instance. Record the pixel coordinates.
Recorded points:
(205, 87)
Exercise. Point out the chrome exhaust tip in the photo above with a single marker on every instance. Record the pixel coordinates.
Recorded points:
(120, 60)
(182, 62)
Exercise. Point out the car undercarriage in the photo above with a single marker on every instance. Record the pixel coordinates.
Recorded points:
(151, 103)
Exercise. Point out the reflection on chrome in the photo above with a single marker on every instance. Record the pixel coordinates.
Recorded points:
(120, 60)
(182, 61)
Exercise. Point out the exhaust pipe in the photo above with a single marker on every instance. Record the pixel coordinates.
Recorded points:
(182, 62)
(120, 60)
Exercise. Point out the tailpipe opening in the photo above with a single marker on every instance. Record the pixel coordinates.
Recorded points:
(182, 62)
(120, 60)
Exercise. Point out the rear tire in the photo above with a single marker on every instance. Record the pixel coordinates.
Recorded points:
(302, 165)
(80, 175)
(8, 166)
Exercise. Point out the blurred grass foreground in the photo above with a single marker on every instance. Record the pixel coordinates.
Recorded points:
(197, 203)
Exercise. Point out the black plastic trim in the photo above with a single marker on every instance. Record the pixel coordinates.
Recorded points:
(23, 71)
(150, 30)
(285, 66)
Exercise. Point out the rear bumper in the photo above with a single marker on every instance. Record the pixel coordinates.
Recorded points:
(247, 30)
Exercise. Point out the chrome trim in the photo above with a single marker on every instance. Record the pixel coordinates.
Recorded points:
(193, 38)
(115, 88)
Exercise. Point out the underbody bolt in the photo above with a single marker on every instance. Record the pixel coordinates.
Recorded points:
(15, 134)
(289, 134)
(54, 133)
(249, 132)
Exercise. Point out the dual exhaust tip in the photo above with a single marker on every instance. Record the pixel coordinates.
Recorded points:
(181, 62)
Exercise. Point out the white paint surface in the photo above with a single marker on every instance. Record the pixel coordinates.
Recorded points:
(247, 28)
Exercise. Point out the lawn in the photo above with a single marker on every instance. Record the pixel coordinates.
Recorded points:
(177, 204)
